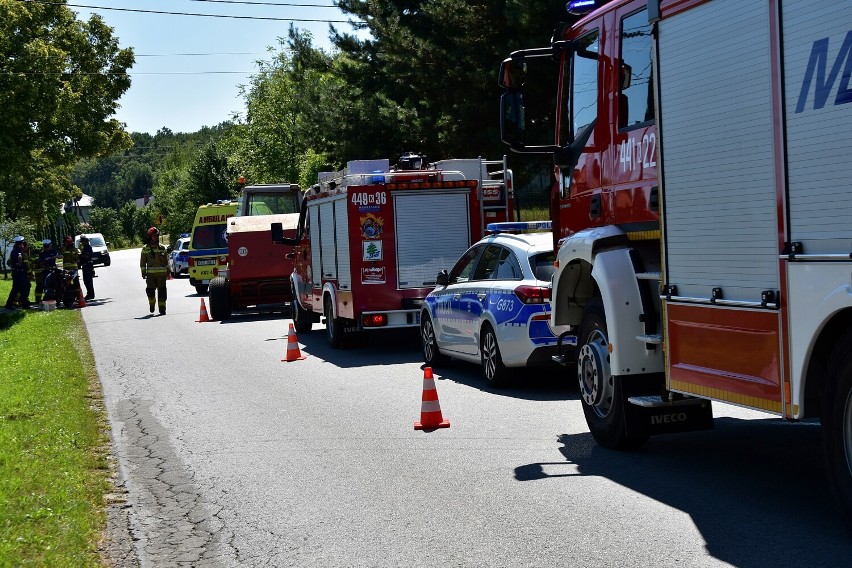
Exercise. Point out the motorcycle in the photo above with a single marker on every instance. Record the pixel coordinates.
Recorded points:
(63, 286)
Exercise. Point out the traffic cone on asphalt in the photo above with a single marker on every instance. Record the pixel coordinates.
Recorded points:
(203, 315)
(430, 412)
(81, 300)
(293, 353)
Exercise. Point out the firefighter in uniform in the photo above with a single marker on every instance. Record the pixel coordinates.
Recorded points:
(154, 264)
(36, 271)
(88, 268)
(71, 261)
(20, 283)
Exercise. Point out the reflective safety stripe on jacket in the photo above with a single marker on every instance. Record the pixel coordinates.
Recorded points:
(154, 260)
(69, 258)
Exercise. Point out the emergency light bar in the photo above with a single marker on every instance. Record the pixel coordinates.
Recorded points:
(519, 226)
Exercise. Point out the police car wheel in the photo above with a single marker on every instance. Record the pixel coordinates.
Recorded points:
(431, 353)
(601, 393)
(837, 425)
(495, 372)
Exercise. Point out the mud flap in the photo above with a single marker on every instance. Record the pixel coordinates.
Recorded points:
(650, 416)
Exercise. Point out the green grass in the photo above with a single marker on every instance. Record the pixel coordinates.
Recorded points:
(54, 449)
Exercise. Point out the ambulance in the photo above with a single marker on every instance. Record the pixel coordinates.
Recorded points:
(208, 247)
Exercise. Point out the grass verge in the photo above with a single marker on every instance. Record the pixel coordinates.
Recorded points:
(54, 446)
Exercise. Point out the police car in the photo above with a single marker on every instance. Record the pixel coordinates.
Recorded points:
(493, 307)
(179, 256)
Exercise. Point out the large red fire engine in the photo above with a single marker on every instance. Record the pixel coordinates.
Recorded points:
(372, 240)
(702, 211)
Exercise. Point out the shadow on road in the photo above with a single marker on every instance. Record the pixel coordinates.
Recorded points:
(755, 489)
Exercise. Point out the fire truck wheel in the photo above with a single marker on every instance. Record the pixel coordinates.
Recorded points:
(600, 391)
(333, 329)
(302, 320)
(495, 372)
(837, 424)
(220, 299)
(431, 353)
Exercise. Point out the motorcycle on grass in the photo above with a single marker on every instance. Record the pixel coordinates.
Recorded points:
(63, 286)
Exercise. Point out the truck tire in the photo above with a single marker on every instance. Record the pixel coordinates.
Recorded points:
(493, 370)
(302, 318)
(837, 425)
(601, 393)
(333, 328)
(432, 355)
(220, 299)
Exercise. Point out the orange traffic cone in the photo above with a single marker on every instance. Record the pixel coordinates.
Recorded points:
(81, 300)
(203, 315)
(430, 413)
(293, 353)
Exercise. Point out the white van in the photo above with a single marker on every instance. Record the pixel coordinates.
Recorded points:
(100, 252)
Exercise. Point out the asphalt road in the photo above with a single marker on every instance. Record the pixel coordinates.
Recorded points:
(231, 457)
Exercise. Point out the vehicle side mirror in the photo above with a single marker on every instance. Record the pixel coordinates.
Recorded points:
(278, 235)
(170, 248)
(513, 72)
(443, 278)
(106, 243)
(512, 119)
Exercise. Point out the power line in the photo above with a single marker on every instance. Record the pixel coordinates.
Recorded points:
(265, 3)
(135, 10)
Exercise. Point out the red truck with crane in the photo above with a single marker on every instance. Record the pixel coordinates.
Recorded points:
(371, 239)
(701, 210)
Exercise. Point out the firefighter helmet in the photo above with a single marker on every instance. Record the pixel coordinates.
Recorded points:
(153, 231)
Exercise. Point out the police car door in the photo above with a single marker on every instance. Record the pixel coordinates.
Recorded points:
(452, 329)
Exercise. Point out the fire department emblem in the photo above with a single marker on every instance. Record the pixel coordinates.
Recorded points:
(371, 226)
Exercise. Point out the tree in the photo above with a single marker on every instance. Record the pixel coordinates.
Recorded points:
(106, 221)
(60, 80)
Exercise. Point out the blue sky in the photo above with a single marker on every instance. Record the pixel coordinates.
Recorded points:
(173, 89)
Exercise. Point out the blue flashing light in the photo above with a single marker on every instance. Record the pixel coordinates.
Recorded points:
(579, 7)
(519, 226)
(184, 235)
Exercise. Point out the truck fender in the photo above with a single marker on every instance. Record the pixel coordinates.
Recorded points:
(572, 285)
(330, 289)
(599, 259)
(297, 286)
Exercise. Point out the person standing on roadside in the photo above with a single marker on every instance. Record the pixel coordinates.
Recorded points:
(71, 260)
(20, 283)
(87, 267)
(154, 264)
(35, 270)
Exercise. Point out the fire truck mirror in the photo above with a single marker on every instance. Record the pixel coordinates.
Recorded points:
(512, 124)
(443, 278)
(513, 72)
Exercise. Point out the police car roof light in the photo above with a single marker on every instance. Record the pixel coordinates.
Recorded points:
(519, 226)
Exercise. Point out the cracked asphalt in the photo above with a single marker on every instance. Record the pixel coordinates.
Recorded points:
(225, 456)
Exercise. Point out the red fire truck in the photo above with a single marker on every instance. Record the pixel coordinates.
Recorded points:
(256, 272)
(702, 211)
(372, 240)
